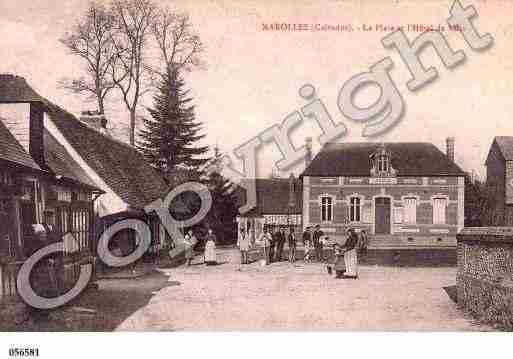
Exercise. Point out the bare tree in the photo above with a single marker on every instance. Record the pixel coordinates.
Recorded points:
(179, 46)
(129, 71)
(91, 40)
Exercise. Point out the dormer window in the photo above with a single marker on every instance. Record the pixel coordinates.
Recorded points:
(380, 163)
(383, 163)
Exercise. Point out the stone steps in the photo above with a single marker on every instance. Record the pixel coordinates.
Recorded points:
(395, 241)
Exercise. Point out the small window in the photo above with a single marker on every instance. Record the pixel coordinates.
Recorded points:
(439, 205)
(355, 209)
(326, 209)
(410, 210)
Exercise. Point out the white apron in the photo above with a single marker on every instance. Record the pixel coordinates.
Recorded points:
(351, 262)
(210, 251)
(243, 242)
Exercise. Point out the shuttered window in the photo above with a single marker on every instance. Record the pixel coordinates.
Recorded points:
(439, 205)
(326, 209)
(410, 210)
(355, 209)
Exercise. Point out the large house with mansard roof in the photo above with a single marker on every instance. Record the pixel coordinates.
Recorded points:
(405, 195)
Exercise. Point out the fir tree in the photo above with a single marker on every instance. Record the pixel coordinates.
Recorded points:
(221, 217)
(169, 138)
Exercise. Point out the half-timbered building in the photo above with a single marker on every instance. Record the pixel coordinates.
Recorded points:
(278, 203)
(41, 186)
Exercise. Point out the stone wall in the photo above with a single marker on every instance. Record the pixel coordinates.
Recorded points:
(485, 274)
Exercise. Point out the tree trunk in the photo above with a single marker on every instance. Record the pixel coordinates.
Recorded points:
(132, 127)
(101, 108)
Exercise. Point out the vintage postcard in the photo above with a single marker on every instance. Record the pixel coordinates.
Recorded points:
(198, 166)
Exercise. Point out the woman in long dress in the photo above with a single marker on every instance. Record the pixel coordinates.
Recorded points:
(190, 241)
(210, 248)
(265, 240)
(350, 256)
(243, 244)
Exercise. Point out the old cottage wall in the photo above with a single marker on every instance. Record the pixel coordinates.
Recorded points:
(485, 273)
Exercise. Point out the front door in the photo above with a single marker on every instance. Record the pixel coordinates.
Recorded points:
(382, 215)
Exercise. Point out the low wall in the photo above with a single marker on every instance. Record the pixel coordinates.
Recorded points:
(13, 310)
(485, 274)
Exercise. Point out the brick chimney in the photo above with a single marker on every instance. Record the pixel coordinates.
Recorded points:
(292, 192)
(450, 148)
(308, 145)
(95, 119)
(22, 111)
(36, 144)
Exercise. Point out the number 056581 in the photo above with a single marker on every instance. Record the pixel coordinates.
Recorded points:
(23, 352)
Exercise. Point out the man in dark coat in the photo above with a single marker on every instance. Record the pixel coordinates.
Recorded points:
(307, 235)
(274, 241)
(317, 234)
(280, 243)
(292, 245)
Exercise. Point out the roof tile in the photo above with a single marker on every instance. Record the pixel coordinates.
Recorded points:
(505, 144)
(11, 150)
(408, 159)
(273, 196)
(61, 163)
(15, 89)
(121, 166)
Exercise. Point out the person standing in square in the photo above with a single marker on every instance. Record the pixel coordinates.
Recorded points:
(292, 245)
(307, 237)
(281, 238)
(210, 248)
(350, 255)
(243, 244)
(274, 241)
(318, 245)
(265, 241)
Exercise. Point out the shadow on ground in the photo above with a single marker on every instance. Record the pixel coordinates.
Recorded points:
(103, 309)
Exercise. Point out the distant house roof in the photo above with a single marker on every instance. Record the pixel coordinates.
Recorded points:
(11, 150)
(407, 158)
(273, 197)
(505, 146)
(121, 166)
(15, 89)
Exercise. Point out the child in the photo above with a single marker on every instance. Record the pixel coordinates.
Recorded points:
(308, 250)
(189, 241)
(265, 240)
(339, 266)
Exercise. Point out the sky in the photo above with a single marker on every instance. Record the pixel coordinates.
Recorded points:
(252, 77)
